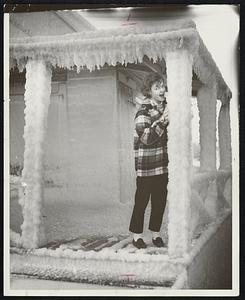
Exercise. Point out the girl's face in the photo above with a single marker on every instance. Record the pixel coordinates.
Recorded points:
(158, 90)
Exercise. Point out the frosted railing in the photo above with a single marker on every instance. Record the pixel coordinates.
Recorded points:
(211, 194)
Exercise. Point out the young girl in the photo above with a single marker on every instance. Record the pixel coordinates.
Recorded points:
(151, 160)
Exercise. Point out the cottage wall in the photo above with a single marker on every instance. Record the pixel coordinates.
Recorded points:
(88, 150)
(91, 154)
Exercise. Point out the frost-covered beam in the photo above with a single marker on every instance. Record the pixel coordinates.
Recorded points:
(37, 99)
(224, 130)
(206, 70)
(100, 48)
(179, 76)
(166, 26)
(206, 100)
(94, 49)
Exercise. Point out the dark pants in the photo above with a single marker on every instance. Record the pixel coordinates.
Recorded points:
(156, 188)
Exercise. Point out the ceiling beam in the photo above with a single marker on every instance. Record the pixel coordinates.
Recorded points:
(137, 67)
(155, 67)
(74, 20)
(131, 75)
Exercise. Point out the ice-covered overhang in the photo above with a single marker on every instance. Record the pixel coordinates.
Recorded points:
(94, 49)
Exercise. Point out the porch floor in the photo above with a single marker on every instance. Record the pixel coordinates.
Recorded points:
(97, 243)
(101, 260)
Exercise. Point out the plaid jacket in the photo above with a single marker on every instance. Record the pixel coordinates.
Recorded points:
(150, 143)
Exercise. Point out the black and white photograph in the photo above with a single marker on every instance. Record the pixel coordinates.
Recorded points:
(121, 150)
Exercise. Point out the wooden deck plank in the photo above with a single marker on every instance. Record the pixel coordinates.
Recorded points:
(108, 244)
(118, 244)
(94, 244)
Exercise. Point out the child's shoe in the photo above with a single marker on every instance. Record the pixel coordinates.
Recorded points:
(140, 244)
(158, 242)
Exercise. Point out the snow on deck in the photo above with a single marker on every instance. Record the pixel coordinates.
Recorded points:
(86, 244)
(112, 261)
(23, 282)
(90, 262)
(69, 214)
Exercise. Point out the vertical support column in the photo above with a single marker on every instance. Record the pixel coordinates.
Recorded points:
(224, 129)
(179, 77)
(206, 100)
(37, 99)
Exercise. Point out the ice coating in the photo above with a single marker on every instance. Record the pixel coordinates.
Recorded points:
(224, 128)
(105, 267)
(37, 99)
(94, 49)
(206, 99)
(177, 45)
(179, 74)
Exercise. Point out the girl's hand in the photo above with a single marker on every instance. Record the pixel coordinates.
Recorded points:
(165, 116)
(156, 122)
(163, 119)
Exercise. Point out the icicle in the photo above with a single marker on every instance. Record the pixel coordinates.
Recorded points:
(75, 49)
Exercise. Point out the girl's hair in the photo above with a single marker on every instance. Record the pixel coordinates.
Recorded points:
(149, 80)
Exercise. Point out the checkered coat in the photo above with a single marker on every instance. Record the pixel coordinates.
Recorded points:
(150, 143)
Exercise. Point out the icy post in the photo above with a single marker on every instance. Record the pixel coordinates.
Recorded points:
(225, 137)
(206, 100)
(37, 99)
(179, 76)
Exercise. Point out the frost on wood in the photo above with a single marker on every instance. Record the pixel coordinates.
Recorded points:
(37, 99)
(96, 52)
(95, 49)
(166, 26)
(64, 267)
(121, 45)
(225, 137)
(179, 76)
(206, 100)
(199, 214)
(178, 44)
(208, 73)
(181, 281)
(209, 197)
(109, 265)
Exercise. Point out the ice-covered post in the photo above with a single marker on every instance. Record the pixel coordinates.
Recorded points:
(225, 150)
(37, 99)
(206, 100)
(179, 77)
(224, 129)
